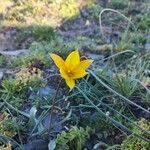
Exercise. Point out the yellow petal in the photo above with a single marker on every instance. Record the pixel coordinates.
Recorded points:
(70, 82)
(85, 63)
(64, 74)
(78, 73)
(59, 62)
(73, 59)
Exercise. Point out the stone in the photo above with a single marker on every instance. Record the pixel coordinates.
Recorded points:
(14, 53)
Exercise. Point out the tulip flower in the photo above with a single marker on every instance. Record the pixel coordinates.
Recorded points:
(72, 68)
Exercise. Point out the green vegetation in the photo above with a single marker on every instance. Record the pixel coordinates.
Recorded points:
(144, 22)
(24, 79)
(133, 142)
(5, 130)
(75, 138)
(108, 108)
(36, 33)
(3, 61)
(119, 4)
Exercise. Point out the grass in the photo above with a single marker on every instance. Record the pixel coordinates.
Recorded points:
(35, 33)
(3, 61)
(108, 109)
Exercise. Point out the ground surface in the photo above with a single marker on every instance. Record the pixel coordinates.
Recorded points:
(108, 109)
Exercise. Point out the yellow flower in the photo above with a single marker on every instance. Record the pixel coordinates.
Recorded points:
(72, 68)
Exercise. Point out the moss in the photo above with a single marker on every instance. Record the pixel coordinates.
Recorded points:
(74, 138)
(3, 127)
(30, 76)
(102, 128)
(25, 78)
(36, 54)
(134, 143)
(15, 89)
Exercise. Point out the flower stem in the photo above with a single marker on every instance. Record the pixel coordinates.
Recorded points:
(53, 105)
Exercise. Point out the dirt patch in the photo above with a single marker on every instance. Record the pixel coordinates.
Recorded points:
(7, 38)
